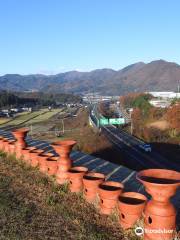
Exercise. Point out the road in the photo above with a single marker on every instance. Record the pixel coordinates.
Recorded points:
(127, 145)
(135, 157)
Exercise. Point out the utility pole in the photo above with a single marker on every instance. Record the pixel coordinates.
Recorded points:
(131, 123)
(63, 125)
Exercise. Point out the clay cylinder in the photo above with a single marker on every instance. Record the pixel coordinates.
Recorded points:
(34, 157)
(6, 145)
(42, 159)
(63, 148)
(75, 178)
(131, 206)
(12, 147)
(109, 192)
(160, 214)
(26, 154)
(4, 140)
(159, 218)
(52, 165)
(1, 143)
(20, 135)
(91, 181)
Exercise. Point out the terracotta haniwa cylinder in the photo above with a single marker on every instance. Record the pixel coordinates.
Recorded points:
(12, 147)
(75, 178)
(63, 148)
(4, 140)
(160, 214)
(34, 154)
(1, 143)
(20, 135)
(6, 145)
(91, 181)
(131, 206)
(52, 165)
(26, 154)
(109, 192)
(42, 158)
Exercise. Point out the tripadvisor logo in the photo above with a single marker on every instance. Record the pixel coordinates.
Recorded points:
(139, 231)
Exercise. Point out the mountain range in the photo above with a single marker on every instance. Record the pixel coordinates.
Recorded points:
(157, 75)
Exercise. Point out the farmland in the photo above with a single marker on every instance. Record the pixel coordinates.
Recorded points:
(5, 120)
(28, 118)
(44, 116)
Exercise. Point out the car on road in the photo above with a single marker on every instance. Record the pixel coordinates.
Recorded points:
(146, 147)
(92, 112)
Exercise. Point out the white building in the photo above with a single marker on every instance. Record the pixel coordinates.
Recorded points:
(160, 103)
(165, 95)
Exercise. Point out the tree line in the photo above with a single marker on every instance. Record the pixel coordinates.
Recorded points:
(144, 113)
(8, 99)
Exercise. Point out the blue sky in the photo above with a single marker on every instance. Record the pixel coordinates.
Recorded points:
(50, 36)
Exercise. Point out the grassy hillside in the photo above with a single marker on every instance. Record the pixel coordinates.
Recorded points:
(34, 207)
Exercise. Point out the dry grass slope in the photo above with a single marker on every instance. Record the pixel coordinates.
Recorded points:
(33, 207)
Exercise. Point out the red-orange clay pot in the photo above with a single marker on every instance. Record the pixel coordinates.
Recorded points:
(75, 178)
(160, 214)
(34, 157)
(26, 154)
(91, 181)
(6, 145)
(42, 158)
(52, 165)
(131, 206)
(4, 141)
(63, 148)
(109, 192)
(20, 135)
(1, 143)
(12, 147)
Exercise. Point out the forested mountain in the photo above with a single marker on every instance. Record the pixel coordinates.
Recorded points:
(155, 76)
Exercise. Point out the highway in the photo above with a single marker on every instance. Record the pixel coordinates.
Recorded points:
(127, 145)
(135, 157)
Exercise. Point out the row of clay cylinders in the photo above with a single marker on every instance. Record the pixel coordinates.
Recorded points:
(46, 162)
(159, 213)
(161, 184)
(7, 145)
(109, 193)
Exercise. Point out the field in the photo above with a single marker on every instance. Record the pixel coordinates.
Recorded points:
(32, 206)
(43, 117)
(3, 120)
(7, 120)
(31, 118)
(22, 118)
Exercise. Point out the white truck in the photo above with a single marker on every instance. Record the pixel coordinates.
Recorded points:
(146, 147)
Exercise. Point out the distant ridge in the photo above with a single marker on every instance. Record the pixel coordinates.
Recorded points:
(158, 75)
